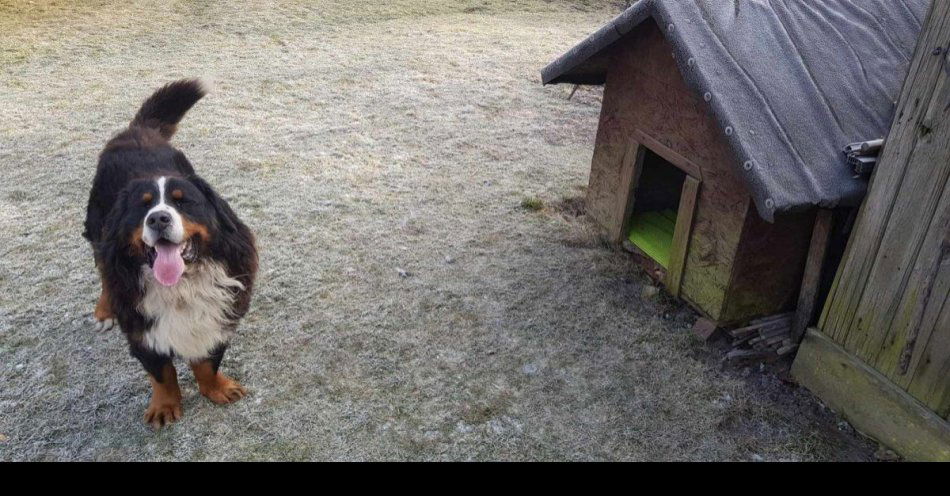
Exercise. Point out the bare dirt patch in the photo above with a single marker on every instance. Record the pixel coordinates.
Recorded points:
(408, 306)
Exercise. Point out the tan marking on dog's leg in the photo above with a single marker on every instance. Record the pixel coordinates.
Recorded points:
(105, 318)
(216, 386)
(165, 405)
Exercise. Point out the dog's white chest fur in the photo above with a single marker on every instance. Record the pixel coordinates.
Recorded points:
(190, 318)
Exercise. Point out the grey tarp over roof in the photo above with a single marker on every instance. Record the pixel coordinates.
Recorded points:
(790, 82)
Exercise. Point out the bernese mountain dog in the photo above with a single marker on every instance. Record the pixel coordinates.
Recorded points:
(177, 265)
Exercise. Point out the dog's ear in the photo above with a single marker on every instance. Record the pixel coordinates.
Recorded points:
(225, 216)
(114, 250)
(115, 246)
(119, 265)
(114, 223)
(236, 248)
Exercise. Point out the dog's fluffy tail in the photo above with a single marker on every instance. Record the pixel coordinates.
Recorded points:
(165, 108)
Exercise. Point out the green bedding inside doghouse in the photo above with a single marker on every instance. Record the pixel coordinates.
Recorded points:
(652, 232)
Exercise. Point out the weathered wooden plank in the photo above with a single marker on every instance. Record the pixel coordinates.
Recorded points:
(669, 154)
(915, 206)
(903, 256)
(849, 288)
(930, 382)
(925, 357)
(924, 365)
(808, 294)
(927, 293)
(704, 329)
(847, 227)
(629, 177)
(871, 403)
(681, 234)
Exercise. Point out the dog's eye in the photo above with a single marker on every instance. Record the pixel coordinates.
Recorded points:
(178, 197)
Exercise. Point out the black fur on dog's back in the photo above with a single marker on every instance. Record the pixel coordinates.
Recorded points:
(165, 108)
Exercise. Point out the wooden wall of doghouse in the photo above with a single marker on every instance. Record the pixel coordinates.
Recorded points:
(725, 260)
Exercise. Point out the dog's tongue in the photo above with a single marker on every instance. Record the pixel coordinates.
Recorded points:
(168, 266)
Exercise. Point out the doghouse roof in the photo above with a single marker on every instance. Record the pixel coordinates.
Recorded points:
(789, 82)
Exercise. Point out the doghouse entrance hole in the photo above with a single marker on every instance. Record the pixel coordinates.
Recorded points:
(656, 203)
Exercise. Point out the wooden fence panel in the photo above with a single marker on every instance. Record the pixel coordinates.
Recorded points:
(888, 304)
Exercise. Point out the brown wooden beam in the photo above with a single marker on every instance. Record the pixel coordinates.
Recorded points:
(668, 154)
(681, 235)
(808, 295)
(626, 197)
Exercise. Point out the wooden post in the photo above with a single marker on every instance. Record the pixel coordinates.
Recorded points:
(684, 225)
(811, 279)
(629, 177)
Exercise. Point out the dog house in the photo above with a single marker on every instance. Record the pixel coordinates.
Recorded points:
(721, 134)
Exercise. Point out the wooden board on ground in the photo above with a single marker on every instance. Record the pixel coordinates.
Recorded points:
(704, 328)
(870, 402)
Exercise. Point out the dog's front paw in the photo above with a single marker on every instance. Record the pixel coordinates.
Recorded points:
(103, 325)
(162, 413)
(105, 318)
(223, 390)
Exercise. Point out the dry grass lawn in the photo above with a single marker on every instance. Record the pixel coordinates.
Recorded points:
(428, 289)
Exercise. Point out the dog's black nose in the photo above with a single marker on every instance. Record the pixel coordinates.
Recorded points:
(158, 220)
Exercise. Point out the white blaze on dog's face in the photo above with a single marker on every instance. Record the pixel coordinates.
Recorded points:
(163, 221)
(163, 231)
